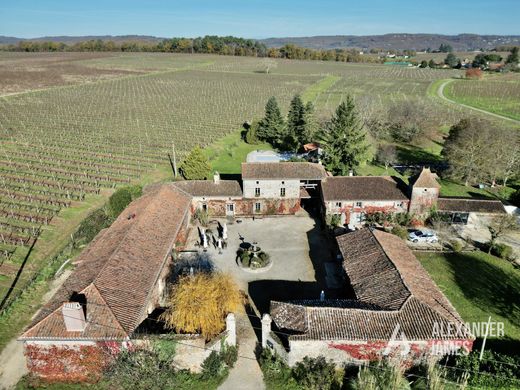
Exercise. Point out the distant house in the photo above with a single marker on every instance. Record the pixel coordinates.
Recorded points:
(396, 301)
(119, 280)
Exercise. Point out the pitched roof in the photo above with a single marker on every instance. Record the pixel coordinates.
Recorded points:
(120, 267)
(391, 288)
(362, 188)
(208, 188)
(425, 179)
(467, 205)
(283, 170)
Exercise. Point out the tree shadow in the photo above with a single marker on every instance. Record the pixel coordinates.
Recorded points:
(487, 286)
(415, 155)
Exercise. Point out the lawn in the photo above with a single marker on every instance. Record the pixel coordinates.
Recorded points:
(479, 285)
(227, 154)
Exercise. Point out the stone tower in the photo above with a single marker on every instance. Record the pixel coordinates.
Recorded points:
(424, 190)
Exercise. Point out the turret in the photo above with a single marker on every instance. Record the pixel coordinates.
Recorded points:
(424, 192)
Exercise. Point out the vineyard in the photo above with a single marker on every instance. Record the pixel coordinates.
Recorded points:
(81, 124)
(500, 95)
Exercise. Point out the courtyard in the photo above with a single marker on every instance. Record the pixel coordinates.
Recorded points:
(301, 254)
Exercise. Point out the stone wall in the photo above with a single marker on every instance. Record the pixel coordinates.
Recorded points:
(246, 207)
(270, 189)
(423, 199)
(70, 361)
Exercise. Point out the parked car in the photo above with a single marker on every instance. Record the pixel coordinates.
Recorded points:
(423, 236)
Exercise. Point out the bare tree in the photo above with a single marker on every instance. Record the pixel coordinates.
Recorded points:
(469, 149)
(408, 120)
(500, 226)
(386, 155)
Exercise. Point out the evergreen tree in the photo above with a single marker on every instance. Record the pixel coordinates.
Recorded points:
(271, 127)
(196, 165)
(310, 124)
(344, 140)
(252, 135)
(513, 58)
(296, 125)
(451, 60)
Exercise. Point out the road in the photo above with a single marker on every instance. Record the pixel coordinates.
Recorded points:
(440, 94)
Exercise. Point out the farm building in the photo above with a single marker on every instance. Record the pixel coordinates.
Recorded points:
(277, 188)
(466, 211)
(118, 281)
(396, 300)
(352, 197)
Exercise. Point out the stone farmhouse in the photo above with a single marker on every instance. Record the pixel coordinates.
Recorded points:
(120, 277)
(395, 300)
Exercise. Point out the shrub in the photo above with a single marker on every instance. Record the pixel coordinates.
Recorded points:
(402, 219)
(494, 371)
(90, 227)
(213, 366)
(502, 250)
(196, 165)
(201, 216)
(264, 257)
(333, 220)
(245, 258)
(400, 232)
(229, 354)
(118, 201)
(315, 373)
(456, 246)
(277, 374)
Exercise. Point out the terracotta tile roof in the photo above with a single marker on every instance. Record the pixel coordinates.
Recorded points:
(122, 263)
(467, 205)
(283, 170)
(362, 188)
(425, 179)
(208, 188)
(391, 288)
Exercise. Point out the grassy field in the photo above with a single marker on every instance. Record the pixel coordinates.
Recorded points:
(497, 94)
(479, 286)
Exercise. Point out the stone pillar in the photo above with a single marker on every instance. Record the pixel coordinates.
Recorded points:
(231, 328)
(266, 328)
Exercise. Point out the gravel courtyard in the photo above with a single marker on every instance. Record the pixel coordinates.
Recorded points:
(300, 252)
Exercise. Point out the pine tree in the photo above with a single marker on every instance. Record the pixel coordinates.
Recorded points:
(271, 127)
(296, 125)
(196, 165)
(310, 124)
(344, 140)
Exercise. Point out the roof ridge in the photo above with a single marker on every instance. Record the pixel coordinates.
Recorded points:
(108, 307)
(158, 273)
(395, 267)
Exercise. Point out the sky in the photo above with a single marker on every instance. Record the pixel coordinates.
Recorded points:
(256, 18)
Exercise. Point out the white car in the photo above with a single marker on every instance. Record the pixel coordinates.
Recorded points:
(423, 236)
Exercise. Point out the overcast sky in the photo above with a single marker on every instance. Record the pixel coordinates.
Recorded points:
(256, 18)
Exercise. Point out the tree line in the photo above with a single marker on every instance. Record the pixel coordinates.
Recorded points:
(228, 45)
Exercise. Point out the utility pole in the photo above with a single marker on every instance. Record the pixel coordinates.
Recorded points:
(174, 161)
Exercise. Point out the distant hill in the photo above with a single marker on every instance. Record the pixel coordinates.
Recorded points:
(461, 42)
(74, 39)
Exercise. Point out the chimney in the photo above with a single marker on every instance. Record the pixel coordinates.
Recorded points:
(216, 178)
(73, 316)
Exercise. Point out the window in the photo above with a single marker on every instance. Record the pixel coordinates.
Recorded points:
(338, 204)
(258, 207)
(282, 191)
(257, 191)
(359, 204)
(399, 204)
(204, 207)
